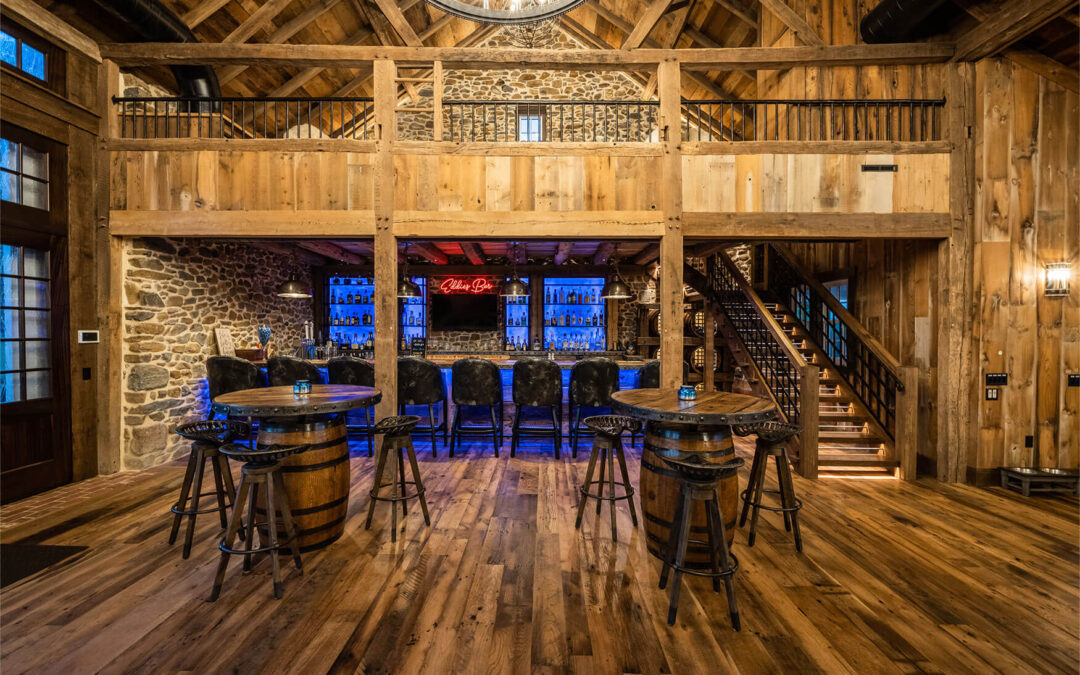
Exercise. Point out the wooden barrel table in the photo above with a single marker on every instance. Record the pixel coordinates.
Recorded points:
(675, 427)
(317, 481)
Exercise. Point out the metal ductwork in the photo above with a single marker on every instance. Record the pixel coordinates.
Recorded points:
(152, 21)
(904, 20)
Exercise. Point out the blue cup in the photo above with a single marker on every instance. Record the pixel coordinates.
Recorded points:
(687, 393)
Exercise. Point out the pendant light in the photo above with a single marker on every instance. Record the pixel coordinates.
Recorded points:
(406, 287)
(615, 288)
(293, 287)
(515, 288)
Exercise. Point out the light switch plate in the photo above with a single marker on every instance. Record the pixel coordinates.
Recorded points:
(89, 337)
(991, 393)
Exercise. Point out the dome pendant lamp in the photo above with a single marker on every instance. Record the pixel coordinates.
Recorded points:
(615, 288)
(515, 288)
(406, 287)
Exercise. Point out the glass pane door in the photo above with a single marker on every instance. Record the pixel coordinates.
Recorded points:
(25, 368)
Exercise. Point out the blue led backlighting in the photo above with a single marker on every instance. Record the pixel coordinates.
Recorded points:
(574, 318)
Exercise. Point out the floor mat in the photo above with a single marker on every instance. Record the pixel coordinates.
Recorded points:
(18, 561)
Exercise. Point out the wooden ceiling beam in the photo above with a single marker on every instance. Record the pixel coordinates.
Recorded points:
(681, 15)
(332, 251)
(647, 254)
(400, 24)
(645, 24)
(1013, 21)
(473, 252)
(356, 56)
(308, 74)
(1046, 67)
(793, 20)
(256, 21)
(202, 11)
(603, 252)
(290, 251)
(562, 252)
(284, 33)
(740, 13)
(57, 29)
(430, 252)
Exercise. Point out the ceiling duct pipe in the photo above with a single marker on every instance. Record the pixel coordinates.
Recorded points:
(904, 20)
(152, 21)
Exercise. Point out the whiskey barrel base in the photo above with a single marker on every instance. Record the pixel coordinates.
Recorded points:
(317, 481)
(660, 488)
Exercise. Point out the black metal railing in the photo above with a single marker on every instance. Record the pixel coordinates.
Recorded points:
(550, 121)
(814, 120)
(780, 374)
(235, 117)
(864, 370)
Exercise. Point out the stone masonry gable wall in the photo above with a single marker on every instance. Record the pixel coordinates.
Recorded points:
(530, 85)
(176, 292)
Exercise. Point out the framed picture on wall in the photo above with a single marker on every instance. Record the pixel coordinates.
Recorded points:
(225, 342)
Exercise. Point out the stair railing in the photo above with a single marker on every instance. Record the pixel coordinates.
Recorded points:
(791, 381)
(856, 355)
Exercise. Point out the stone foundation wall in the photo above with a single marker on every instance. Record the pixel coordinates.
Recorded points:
(176, 292)
(465, 341)
(635, 123)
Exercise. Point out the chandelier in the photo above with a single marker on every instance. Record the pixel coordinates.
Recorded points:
(506, 12)
(531, 35)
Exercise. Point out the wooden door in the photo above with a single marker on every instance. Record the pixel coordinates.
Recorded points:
(35, 427)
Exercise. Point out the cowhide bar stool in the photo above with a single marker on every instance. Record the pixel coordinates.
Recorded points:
(206, 438)
(420, 382)
(284, 371)
(607, 447)
(592, 382)
(261, 472)
(699, 480)
(397, 440)
(351, 370)
(537, 383)
(476, 383)
(772, 438)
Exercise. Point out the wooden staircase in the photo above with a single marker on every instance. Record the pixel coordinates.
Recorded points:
(848, 436)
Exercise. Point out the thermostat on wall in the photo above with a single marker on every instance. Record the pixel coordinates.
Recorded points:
(89, 337)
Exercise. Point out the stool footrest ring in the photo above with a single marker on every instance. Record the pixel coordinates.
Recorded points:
(744, 495)
(629, 492)
(211, 509)
(707, 573)
(282, 546)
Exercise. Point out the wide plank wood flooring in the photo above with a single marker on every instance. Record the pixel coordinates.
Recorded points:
(896, 578)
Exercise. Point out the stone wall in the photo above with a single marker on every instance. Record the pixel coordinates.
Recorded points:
(465, 342)
(176, 292)
(499, 122)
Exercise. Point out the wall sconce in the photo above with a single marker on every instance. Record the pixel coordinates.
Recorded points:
(1057, 279)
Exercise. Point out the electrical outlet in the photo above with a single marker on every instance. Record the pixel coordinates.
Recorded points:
(997, 379)
(991, 393)
(1074, 379)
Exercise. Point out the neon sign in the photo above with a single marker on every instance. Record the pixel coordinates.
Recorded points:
(466, 286)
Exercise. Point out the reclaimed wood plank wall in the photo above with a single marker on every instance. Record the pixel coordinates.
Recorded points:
(1027, 206)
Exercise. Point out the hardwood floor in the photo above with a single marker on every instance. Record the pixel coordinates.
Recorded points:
(896, 577)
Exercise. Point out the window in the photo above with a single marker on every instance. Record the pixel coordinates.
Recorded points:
(530, 124)
(24, 324)
(24, 174)
(15, 52)
(839, 290)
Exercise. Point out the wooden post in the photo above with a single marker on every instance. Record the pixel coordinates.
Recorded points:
(671, 242)
(386, 249)
(809, 394)
(110, 279)
(436, 97)
(957, 388)
(709, 374)
(907, 422)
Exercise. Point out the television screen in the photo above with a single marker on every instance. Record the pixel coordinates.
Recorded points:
(464, 312)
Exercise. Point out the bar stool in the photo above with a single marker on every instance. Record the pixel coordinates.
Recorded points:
(225, 374)
(476, 383)
(772, 438)
(420, 382)
(607, 447)
(284, 371)
(354, 371)
(649, 378)
(206, 438)
(592, 382)
(397, 439)
(699, 480)
(261, 468)
(537, 383)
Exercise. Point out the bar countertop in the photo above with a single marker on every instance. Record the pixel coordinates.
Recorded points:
(503, 361)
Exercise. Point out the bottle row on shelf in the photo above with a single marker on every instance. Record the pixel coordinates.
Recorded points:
(571, 320)
(572, 296)
(575, 342)
(408, 318)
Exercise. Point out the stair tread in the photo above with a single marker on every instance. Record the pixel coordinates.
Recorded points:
(831, 459)
(849, 436)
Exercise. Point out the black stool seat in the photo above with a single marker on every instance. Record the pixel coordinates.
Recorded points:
(699, 479)
(390, 461)
(420, 382)
(772, 438)
(397, 425)
(607, 447)
(261, 470)
(206, 437)
(592, 382)
(214, 431)
(355, 371)
(476, 383)
(537, 383)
